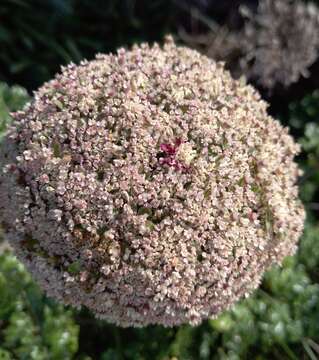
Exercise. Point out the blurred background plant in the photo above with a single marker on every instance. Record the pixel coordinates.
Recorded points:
(274, 46)
(280, 321)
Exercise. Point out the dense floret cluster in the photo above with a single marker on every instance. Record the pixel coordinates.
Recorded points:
(149, 186)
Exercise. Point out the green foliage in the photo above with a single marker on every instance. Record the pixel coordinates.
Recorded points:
(311, 138)
(303, 119)
(31, 326)
(276, 321)
(37, 36)
(305, 111)
(11, 99)
(309, 250)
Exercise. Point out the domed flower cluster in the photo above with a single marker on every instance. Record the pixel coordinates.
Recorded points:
(149, 186)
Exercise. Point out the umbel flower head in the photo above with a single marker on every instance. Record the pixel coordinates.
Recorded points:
(275, 47)
(281, 41)
(149, 186)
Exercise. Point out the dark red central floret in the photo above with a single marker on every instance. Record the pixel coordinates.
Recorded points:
(170, 150)
(168, 155)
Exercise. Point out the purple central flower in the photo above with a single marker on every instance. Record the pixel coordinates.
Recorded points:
(169, 155)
